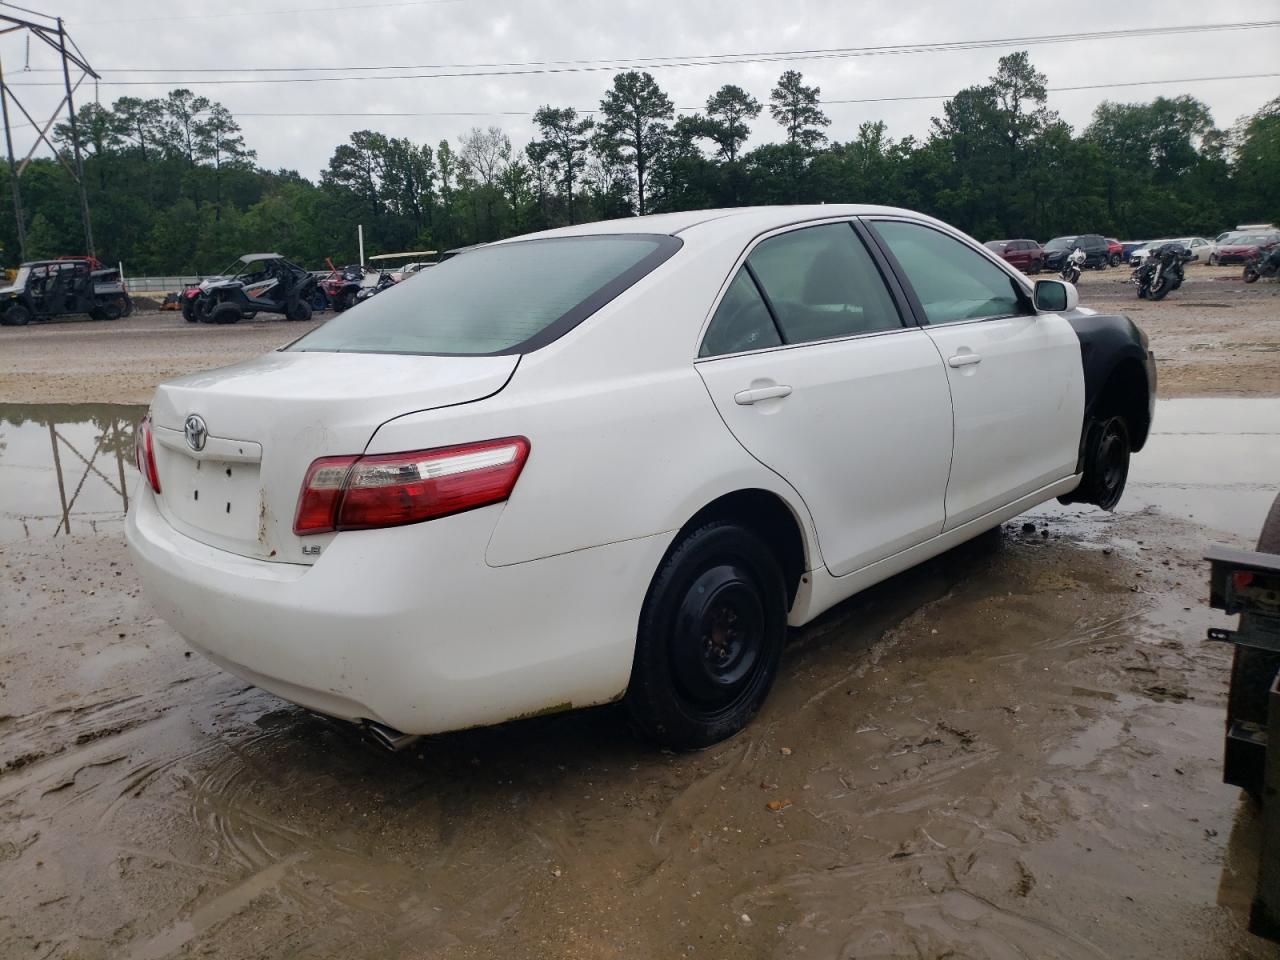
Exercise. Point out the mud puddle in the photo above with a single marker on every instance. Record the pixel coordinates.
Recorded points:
(1011, 751)
(65, 468)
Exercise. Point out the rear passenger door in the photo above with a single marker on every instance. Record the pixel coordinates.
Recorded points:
(813, 364)
(1016, 377)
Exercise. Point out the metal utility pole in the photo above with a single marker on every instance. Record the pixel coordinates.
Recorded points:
(54, 35)
(75, 141)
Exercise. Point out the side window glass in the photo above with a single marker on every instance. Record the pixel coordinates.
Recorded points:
(822, 283)
(953, 282)
(742, 321)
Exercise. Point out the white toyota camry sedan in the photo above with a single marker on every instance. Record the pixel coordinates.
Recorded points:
(617, 460)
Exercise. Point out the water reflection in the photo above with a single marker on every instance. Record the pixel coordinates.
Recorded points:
(65, 468)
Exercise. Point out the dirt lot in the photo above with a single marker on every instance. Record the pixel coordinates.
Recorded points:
(1012, 751)
(1216, 336)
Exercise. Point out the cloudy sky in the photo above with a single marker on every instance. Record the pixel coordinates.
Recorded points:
(176, 40)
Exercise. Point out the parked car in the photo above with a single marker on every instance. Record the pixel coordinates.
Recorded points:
(1244, 247)
(1097, 253)
(45, 289)
(1026, 255)
(1197, 249)
(616, 460)
(1128, 246)
(1115, 252)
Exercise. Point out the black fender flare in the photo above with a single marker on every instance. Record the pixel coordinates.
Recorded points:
(1109, 342)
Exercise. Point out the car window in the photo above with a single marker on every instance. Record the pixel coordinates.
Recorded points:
(821, 283)
(953, 282)
(742, 321)
(500, 298)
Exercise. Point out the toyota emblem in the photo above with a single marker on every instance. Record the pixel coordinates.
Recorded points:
(195, 431)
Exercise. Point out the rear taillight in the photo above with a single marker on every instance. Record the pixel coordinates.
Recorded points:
(387, 490)
(144, 452)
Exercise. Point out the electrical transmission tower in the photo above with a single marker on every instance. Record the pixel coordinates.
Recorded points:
(54, 35)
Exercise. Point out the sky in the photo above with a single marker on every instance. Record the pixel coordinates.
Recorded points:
(182, 37)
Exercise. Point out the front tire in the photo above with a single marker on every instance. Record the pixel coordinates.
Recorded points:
(16, 316)
(1106, 463)
(299, 311)
(1251, 274)
(710, 638)
(1160, 287)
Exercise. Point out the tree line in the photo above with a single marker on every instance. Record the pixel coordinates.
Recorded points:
(175, 189)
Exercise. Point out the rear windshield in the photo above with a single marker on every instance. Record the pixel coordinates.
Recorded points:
(504, 298)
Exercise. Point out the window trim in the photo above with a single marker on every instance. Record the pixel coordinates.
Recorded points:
(667, 245)
(905, 315)
(917, 305)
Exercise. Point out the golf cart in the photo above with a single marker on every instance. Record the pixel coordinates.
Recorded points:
(44, 289)
(259, 283)
(387, 263)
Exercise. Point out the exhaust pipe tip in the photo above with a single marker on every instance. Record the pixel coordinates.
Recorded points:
(389, 738)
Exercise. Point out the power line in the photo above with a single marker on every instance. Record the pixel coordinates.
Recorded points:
(587, 66)
(338, 114)
(257, 13)
(939, 46)
(834, 102)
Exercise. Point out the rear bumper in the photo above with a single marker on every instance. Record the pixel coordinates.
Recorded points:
(406, 626)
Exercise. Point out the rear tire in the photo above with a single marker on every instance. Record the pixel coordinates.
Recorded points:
(16, 316)
(225, 313)
(1251, 274)
(1116, 259)
(299, 311)
(710, 638)
(112, 310)
(1106, 463)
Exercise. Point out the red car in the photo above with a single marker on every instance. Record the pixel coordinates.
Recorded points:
(1026, 255)
(1115, 251)
(1243, 247)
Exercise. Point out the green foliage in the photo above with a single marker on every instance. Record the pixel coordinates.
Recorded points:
(174, 188)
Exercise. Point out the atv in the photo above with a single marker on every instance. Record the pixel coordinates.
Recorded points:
(44, 289)
(341, 287)
(262, 283)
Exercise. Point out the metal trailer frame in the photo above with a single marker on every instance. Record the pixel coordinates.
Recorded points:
(1248, 583)
(54, 35)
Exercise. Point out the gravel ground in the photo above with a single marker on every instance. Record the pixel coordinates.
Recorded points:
(1216, 336)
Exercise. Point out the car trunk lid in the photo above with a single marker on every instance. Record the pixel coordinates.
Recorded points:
(258, 425)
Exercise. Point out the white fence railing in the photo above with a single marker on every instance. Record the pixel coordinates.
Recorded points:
(158, 284)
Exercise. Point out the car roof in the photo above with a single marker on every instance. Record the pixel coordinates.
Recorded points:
(745, 219)
(251, 257)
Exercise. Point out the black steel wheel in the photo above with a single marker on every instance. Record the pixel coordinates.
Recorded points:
(710, 638)
(1106, 463)
(112, 310)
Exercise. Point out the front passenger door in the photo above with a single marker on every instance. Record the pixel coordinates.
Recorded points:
(1016, 377)
(815, 371)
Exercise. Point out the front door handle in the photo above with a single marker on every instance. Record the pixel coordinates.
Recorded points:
(963, 360)
(756, 394)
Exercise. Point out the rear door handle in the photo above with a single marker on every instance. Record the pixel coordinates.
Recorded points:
(963, 360)
(756, 394)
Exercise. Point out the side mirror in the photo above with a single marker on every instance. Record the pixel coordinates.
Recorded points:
(1055, 296)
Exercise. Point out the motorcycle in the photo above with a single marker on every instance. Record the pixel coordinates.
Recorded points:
(1072, 264)
(1160, 272)
(1265, 263)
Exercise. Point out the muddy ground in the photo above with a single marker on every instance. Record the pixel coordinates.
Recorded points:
(1012, 751)
(1216, 336)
